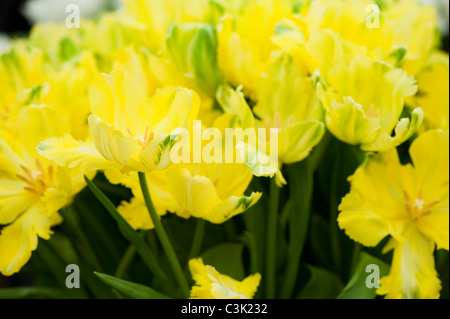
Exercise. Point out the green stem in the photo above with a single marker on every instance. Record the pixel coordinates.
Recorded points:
(198, 238)
(162, 235)
(301, 184)
(73, 230)
(334, 228)
(55, 263)
(319, 152)
(271, 239)
(125, 261)
(357, 248)
(254, 266)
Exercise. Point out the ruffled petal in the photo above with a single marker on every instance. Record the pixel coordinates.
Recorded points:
(412, 273)
(66, 151)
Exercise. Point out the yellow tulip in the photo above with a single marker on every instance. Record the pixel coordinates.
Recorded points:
(432, 95)
(130, 128)
(287, 100)
(21, 68)
(364, 100)
(355, 112)
(244, 42)
(158, 15)
(32, 189)
(258, 151)
(210, 284)
(379, 26)
(409, 203)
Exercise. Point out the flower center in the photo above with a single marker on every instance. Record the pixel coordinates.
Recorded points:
(36, 181)
(417, 207)
(143, 139)
(373, 111)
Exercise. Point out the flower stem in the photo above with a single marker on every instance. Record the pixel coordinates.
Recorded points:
(125, 262)
(198, 238)
(301, 184)
(271, 239)
(334, 228)
(162, 235)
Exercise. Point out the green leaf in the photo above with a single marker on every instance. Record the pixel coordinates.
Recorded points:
(131, 289)
(227, 259)
(128, 232)
(322, 284)
(250, 241)
(356, 288)
(320, 240)
(57, 266)
(301, 187)
(442, 267)
(30, 292)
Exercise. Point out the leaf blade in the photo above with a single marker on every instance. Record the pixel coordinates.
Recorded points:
(130, 289)
(128, 232)
(356, 287)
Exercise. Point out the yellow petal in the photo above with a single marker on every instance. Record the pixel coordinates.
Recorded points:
(233, 102)
(14, 200)
(195, 195)
(232, 207)
(10, 161)
(433, 93)
(249, 285)
(430, 156)
(39, 122)
(66, 151)
(20, 238)
(349, 123)
(135, 213)
(112, 144)
(435, 226)
(374, 208)
(298, 139)
(404, 129)
(210, 284)
(412, 273)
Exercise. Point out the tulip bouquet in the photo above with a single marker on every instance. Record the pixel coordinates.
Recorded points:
(228, 149)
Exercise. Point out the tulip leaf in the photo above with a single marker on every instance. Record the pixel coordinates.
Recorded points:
(357, 288)
(30, 292)
(301, 183)
(128, 232)
(130, 289)
(322, 284)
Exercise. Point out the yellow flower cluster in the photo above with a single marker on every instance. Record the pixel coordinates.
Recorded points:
(113, 95)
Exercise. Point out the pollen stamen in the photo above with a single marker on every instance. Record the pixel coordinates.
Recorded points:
(417, 208)
(36, 181)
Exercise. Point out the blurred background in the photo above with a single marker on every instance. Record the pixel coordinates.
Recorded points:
(17, 16)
